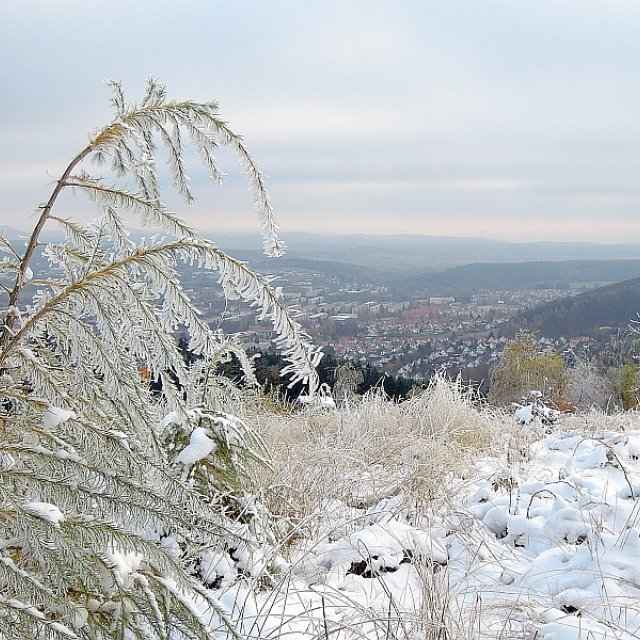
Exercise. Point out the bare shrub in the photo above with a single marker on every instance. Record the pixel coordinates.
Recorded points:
(587, 387)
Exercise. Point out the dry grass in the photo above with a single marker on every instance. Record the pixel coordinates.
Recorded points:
(594, 421)
(370, 448)
(411, 455)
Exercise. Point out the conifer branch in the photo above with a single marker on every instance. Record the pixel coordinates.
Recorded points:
(99, 405)
(10, 318)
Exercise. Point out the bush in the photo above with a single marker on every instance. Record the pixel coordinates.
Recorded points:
(523, 368)
(624, 383)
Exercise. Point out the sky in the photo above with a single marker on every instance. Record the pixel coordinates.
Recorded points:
(506, 119)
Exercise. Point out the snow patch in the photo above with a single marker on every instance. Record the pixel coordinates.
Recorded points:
(45, 511)
(122, 565)
(546, 549)
(54, 416)
(199, 447)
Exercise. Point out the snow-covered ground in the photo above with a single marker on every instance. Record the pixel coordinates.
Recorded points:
(544, 544)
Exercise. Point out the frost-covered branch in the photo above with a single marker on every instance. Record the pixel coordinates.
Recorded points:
(103, 512)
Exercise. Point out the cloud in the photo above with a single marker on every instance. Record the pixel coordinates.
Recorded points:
(487, 114)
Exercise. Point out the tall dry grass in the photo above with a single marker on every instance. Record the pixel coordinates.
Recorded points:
(370, 448)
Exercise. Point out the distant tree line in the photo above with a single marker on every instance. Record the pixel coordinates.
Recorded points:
(354, 378)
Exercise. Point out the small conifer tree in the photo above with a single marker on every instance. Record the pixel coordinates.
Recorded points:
(109, 488)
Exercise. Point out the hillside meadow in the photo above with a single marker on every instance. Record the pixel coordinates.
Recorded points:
(439, 518)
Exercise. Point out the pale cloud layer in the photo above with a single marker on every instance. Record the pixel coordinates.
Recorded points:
(498, 118)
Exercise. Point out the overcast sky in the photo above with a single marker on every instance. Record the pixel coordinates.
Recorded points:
(516, 119)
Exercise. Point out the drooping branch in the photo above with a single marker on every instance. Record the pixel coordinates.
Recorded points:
(11, 316)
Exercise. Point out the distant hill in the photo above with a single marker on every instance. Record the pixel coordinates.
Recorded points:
(430, 264)
(343, 270)
(586, 314)
(458, 281)
(401, 253)
(525, 275)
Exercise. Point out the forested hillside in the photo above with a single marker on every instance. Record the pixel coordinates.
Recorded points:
(587, 314)
(526, 275)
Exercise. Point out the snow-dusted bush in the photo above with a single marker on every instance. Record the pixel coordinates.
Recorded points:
(624, 385)
(523, 368)
(101, 519)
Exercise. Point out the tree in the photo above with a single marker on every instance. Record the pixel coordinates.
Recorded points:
(522, 368)
(105, 504)
(587, 386)
(347, 379)
(624, 384)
